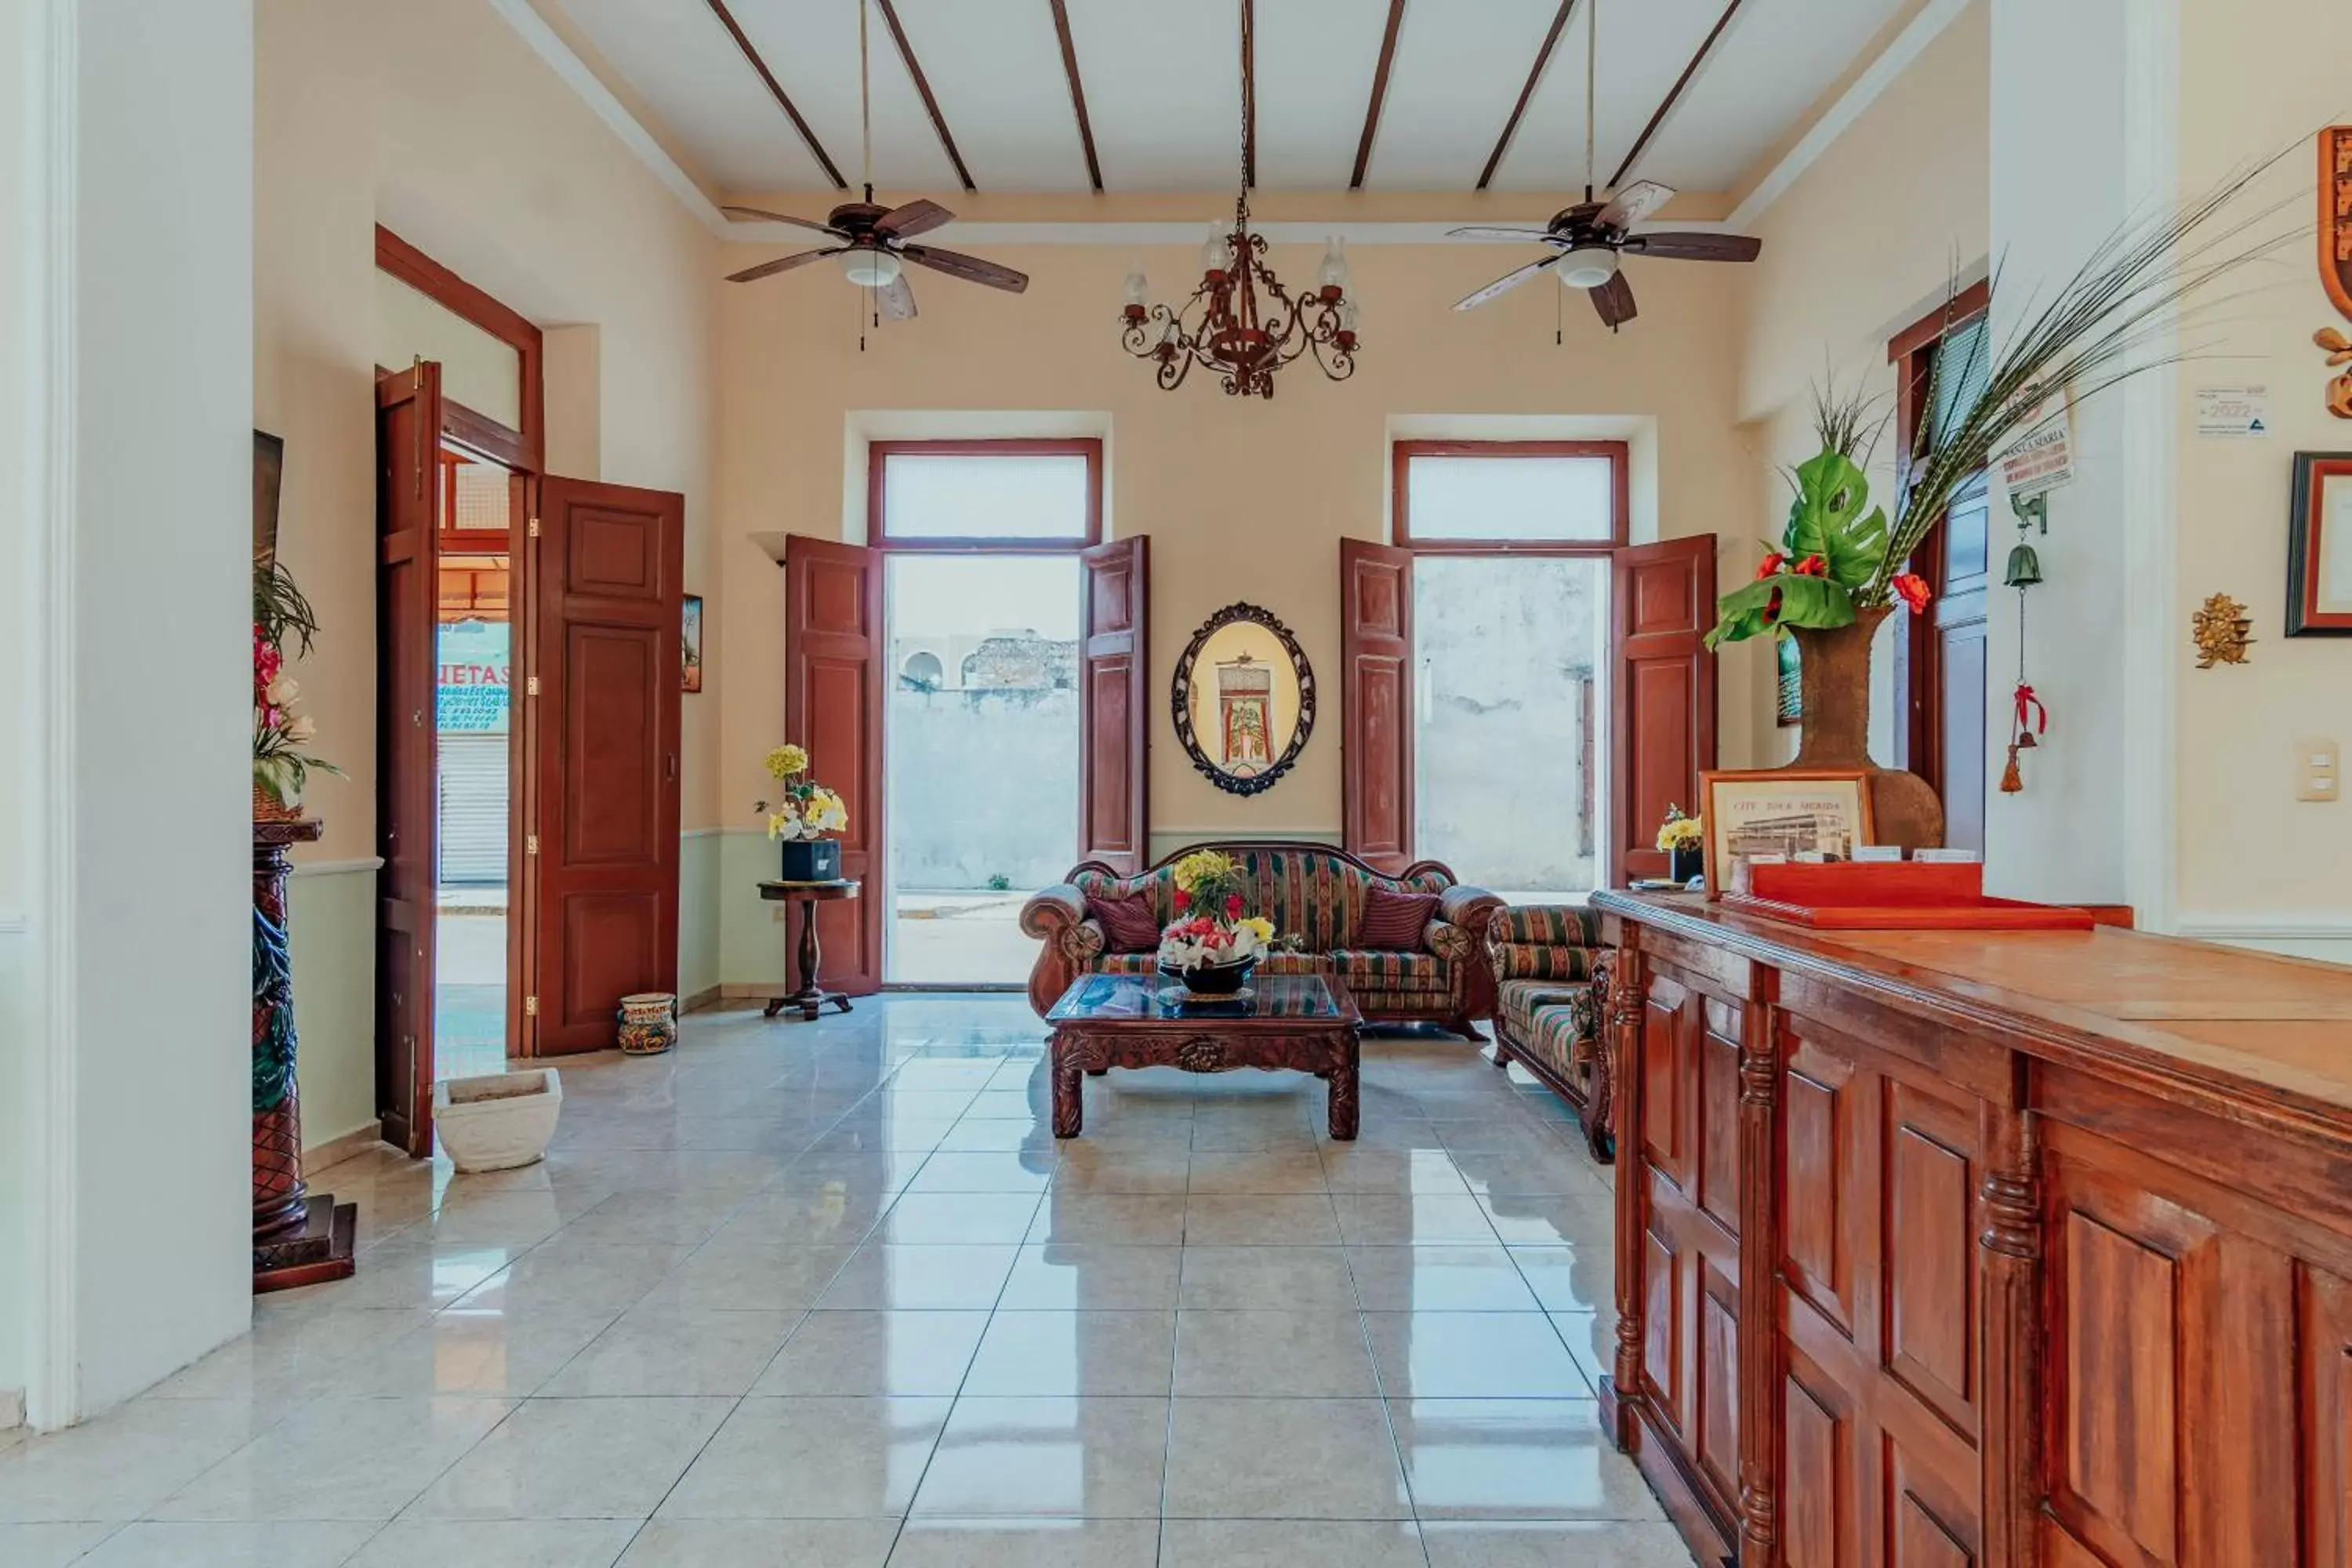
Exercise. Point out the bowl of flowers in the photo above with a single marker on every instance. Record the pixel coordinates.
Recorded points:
(1684, 838)
(805, 812)
(1212, 946)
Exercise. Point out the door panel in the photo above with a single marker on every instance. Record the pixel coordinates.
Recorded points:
(408, 519)
(1113, 706)
(1663, 697)
(1376, 716)
(835, 658)
(601, 850)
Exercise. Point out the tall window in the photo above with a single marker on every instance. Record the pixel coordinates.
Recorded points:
(1511, 545)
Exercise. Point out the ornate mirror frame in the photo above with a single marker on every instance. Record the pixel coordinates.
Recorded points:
(1180, 702)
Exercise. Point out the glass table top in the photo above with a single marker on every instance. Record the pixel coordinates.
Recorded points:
(1109, 998)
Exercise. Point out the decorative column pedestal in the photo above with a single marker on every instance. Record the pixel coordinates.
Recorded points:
(299, 1238)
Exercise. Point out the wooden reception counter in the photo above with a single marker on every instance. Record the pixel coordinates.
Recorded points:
(1945, 1248)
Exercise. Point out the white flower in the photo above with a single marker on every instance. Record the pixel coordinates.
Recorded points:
(282, 690)
(301, 730)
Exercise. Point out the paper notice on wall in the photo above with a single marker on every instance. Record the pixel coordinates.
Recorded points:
(2044, 457)
(2233, 413)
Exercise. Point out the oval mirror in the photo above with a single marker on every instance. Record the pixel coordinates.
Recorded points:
(1244, 698)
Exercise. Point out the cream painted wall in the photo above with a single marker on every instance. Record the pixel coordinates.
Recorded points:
(2254, 864)
(436, 119)
(1242, 500)
(1866, 242)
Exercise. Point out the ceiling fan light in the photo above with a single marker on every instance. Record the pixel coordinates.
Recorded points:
(870, 268)
(1587, 267)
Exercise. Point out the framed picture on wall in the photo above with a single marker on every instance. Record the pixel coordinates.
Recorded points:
(2319, 547)
(269, 474)
(1783, 813)
(691, 641)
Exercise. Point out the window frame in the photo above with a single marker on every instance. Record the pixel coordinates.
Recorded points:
(877, 522)
(523, 450)
(1619, 454)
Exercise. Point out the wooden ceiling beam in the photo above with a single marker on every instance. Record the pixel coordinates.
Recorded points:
(776, 90)
(1380, 95)
(1077, 91)
(923, 86)
(1527, 92)
(1674, 95)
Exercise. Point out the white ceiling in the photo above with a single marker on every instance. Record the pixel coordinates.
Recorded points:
(1163, 91)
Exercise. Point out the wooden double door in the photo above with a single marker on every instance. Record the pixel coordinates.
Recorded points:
(837, 678)
(595, 688)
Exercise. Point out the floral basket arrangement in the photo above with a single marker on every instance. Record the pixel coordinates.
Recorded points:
(1212, 946)
(281, 767)
(1684, 839)
(803, 813)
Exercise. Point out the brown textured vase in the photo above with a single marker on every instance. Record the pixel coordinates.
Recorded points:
(1834, 666)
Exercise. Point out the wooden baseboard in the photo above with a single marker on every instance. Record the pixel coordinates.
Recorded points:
(323, 1157)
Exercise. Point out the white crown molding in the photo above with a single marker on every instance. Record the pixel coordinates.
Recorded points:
(337, 867)
(1865, 90)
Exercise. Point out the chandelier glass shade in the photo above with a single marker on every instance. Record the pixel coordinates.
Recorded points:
(1241, 324)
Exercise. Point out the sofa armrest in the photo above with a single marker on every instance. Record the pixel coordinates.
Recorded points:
(1057, 916)
(1448, 941)
(1051, 911)
(1470, 908)
(1544, 941)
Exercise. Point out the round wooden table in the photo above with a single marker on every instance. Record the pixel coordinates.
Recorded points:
(812, 996)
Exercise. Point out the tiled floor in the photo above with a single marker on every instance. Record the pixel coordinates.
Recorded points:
(830, 1295)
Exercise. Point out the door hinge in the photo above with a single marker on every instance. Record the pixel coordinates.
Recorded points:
(531, 1007)
(534, 528)
(531, 843)
(531, 687)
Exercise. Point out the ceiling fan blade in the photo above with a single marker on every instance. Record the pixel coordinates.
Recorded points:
(1505, 284)
(1696, 246)
(781, 264)
(895, 299)
(1490, 231)
(1614, 301)
(764, 215)
(1634, 202)
(970, 268)
(914, 218)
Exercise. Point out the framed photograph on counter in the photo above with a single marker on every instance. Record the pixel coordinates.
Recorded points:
(2319, 547)
(1783, 813)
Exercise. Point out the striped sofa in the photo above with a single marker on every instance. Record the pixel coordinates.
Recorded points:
(1311, 891)
(1550, 976)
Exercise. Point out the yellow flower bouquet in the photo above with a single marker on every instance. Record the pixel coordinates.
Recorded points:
(803, 813)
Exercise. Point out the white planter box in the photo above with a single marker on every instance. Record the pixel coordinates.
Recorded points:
(497, 1122)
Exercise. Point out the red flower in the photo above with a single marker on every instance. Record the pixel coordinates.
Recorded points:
(266, 661)
(1813, 566)
(1232, 906)
(1772, 565)
(1184, 899)
(1772, 609)
(1913, 590)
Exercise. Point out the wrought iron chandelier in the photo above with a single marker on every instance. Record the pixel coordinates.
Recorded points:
(1241, 324)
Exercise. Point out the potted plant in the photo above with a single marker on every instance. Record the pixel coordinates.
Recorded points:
(281, 766)
(1841, 566)
(1684, 838)
(1212, 946)
(802, 816)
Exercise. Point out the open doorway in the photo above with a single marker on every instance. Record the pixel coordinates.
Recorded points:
(473, 794)
(982, 596)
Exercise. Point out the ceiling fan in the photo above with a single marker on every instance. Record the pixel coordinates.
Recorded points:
(1589, 239)
(873, 239)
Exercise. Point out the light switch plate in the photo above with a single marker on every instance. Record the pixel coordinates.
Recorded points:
(2318, 770)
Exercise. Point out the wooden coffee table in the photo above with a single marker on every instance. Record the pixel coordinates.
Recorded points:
(1302, 1023)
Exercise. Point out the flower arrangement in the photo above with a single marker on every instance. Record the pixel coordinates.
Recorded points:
(1680, 832)
(281, 766)
(1209, 880)
(1211, 934)
(805, 809)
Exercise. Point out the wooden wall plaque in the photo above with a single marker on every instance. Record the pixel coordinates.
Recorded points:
(2336, 215)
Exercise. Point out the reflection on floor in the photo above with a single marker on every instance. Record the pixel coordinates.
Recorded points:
(469, 995)
(830, 1294)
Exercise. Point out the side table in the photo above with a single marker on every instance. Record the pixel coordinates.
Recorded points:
(812, 996)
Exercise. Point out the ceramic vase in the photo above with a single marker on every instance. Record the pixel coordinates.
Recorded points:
(1835, 671)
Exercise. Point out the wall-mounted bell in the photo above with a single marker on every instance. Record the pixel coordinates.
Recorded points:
(2024, 566)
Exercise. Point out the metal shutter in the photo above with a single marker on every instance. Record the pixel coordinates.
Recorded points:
(474, 765)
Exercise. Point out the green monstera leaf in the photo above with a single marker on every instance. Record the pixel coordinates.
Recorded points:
(1783, 600)
(1827, 520)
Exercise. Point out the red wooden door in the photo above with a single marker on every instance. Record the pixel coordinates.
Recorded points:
(1376, 702)
(602, 687)
(1114, 705)
(1662, 700)
(408, 519)
(834, 660)
(1949, 659)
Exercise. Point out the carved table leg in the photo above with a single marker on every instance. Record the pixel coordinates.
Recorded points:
(1069, 1103)
(1346, 1108)
(1601, 1097)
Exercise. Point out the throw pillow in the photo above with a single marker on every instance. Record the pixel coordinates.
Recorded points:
(1129, 924)
(1394, 921)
